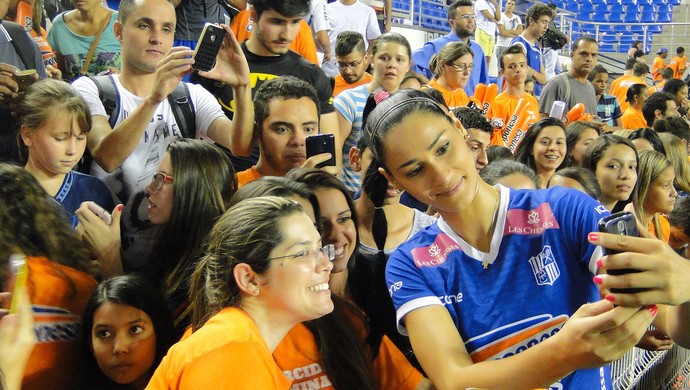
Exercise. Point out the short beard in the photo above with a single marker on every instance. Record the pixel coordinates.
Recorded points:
(463, 33)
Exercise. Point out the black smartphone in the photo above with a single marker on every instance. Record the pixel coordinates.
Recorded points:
(321, 143)
(208, 46)
(621, 223)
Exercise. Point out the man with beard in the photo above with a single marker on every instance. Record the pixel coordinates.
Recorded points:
(462, 24)
(573, 87)
(275, 24)
(538, 19)
(352, 60)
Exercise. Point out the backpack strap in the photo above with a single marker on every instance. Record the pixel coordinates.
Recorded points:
(183, 110)
(109, 96)
(23, 44)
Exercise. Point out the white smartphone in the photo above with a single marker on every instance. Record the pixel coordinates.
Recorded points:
(101, 212)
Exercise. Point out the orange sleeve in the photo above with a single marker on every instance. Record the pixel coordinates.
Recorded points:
(239, 26)
(393, 370)
(25, 14)
(304, 44)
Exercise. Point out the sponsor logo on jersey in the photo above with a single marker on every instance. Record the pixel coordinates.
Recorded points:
(544, 267)
(395, 287)
(308, 377)
(600, 209)
(530, 222)
(515, 338)
(436, 253)
(54, 324)
(451, 299)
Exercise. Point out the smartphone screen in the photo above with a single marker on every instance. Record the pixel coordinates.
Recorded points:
(321, 143)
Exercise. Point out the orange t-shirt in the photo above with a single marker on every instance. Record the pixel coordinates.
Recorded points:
(342, 85)
(657, 66)
(678, 65)
(58, 295)
(457, 98)
(633, 119)
(246, 176)
(657, 88)
(619, 88)
(227, 352)
(298, 356)
(665, 228)
(303, 44)
(24, 18)
(503, 108)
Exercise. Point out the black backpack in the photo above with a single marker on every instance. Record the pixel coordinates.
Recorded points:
(179, 99)
(23, 44)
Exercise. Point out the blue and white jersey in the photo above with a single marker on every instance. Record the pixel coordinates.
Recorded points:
(534, 58)
(350, 103)
(537, 274)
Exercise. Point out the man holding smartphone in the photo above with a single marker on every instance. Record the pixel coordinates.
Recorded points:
(128, 154)
(275, 24)
(286, 113)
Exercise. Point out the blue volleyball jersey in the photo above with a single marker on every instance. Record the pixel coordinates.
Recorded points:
(537, 274)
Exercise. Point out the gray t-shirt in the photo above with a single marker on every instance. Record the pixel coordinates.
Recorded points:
(556, 89)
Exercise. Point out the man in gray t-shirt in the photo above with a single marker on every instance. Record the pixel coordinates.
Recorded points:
(573, 87)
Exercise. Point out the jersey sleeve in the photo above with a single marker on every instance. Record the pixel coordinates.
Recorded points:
(206, 108)
(89, 92)
(373, 30)
(407, 286)
(319, 20)
(580, 215)
(617, 112)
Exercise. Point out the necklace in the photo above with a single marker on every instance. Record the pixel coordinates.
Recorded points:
(494, 221)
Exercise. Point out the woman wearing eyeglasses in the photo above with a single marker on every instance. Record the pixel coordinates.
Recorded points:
(187, 194)
(452, 67)
(263, 272)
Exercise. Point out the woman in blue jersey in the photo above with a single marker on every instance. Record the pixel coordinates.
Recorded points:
(495, 295)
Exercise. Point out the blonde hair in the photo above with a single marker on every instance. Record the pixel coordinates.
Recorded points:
(651, 165)
(677, 154)
(449, 53)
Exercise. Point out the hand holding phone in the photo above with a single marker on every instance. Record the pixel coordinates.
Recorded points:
(621, 223)
(208, 46)
(321, 143)
(101, 213)
(25, 78)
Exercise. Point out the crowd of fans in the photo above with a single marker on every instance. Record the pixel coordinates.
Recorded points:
(166, 228)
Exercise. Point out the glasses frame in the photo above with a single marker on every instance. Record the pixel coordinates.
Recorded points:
(326, 250)
(457, 68)
(352, 64)
(158, 184)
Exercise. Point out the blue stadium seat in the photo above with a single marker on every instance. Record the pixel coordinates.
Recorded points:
(606, 48)
(649, 8)
(654, 28)
(663, 7)
(628, 2)
(631, 16)
(583, 15)
(571, 6)
(648, 17)
(664, 17)
(601, 9)
(674, 2)
(616, 16)
(609, 38)
(586, 6)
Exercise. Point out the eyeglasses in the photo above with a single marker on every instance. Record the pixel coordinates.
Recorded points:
(159, 178)
(467, 16)
(353, 64)
(328, 251)
(462, 67)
